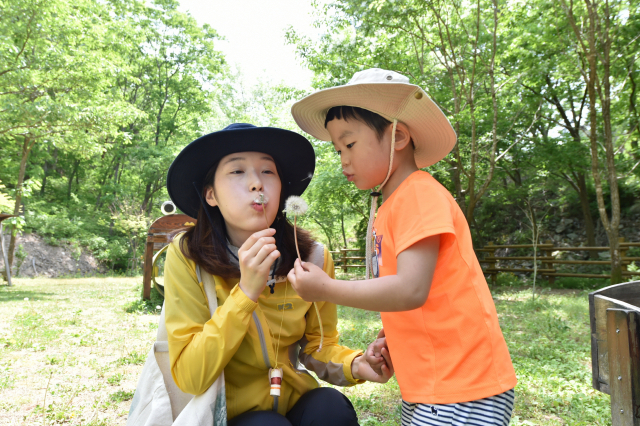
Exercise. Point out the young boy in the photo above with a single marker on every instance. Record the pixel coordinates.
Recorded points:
(440, 323)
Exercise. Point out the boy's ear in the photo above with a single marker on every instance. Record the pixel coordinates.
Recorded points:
(403, 137)
(210, 197)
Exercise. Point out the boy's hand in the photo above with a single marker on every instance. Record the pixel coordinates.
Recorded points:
(360, 369)
(256, 256)
(308, 281)
(378, 356)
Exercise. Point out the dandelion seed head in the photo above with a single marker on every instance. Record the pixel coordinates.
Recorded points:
(295, 205)
(261, 198)
(26, 299)
(158, 307)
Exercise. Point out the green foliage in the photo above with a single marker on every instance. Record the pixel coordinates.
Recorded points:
(141, 306)
(537, 116)
(21, 255)
(133, 358)
(89, 128)
(7, 378)
(121, 396)
(6, 203)
(115, 379)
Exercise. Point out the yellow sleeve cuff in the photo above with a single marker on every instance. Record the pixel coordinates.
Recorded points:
(346, 368)
(242, 300)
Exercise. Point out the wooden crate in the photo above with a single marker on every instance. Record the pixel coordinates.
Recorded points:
(615, 349)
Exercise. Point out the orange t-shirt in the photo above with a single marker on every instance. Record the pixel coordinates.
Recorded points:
(451, 349)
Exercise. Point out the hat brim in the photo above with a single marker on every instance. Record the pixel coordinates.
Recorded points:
(430, 129)
(292, 152)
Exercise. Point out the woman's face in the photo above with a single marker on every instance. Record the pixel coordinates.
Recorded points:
(239, 180)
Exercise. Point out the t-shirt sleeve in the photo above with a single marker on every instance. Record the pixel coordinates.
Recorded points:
(422, 210)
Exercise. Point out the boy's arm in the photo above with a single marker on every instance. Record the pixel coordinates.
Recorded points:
(406, 290)
(335, 364)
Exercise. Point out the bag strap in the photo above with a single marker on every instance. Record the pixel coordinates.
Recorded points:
(317, 255)
(209, 284)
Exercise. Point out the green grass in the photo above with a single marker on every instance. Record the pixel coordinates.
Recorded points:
(508, 279)
(83, 343)
(549, 341)
(73, 341)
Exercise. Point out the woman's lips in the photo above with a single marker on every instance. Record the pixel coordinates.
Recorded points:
(349, 176)
(258, 207)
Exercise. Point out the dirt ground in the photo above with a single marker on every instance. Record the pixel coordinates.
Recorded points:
(45, 260)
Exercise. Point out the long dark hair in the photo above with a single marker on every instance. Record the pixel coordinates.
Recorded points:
(207, 246)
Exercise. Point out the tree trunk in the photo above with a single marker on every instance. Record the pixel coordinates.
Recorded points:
(634, 120)
(26, 149)
(44, 178)
(76, 163)
(586, 212)
(115, 182)
(46, 169)
(590, 49)
(326, 233)
(344, 235)
(150, 206)
(7, 275)
(613, 232)
(147, 196)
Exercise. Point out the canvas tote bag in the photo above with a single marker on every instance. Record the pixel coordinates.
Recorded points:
(159, 402)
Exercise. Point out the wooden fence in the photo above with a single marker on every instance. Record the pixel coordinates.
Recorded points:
(548, 260)
(345, 261)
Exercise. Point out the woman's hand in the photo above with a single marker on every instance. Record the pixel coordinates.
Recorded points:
(377, 355)
(256, 256)
(360, 369)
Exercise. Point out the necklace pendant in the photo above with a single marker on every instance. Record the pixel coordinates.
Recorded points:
(275, 377)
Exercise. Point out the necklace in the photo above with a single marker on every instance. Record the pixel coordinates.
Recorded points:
(275, 374)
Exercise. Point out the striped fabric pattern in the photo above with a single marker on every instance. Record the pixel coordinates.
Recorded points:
(495, 410)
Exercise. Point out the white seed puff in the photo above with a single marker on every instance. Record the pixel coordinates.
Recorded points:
(295, 206)
(261, 198)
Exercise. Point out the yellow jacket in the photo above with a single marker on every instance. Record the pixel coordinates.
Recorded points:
(241, 337)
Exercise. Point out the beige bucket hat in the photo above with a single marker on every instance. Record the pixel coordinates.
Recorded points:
(390, 95)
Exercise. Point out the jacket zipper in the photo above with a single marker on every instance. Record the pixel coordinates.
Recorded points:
(263, 342)
(265, 354)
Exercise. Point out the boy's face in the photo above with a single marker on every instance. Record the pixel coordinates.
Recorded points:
(365, 158)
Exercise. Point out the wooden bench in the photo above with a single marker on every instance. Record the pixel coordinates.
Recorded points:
(157, 238)
(615, 349)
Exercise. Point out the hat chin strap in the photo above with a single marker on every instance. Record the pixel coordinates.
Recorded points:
(374, 203)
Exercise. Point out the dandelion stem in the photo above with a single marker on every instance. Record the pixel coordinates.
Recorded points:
(264, 210)
(295, 235)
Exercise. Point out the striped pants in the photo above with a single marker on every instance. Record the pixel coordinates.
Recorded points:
(495, 410)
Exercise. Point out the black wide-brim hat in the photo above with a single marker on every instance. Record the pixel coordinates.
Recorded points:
(292, 152)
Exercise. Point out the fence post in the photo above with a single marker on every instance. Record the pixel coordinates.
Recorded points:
(623, 254)
(549, 264)
(344, 259)
(492, 264)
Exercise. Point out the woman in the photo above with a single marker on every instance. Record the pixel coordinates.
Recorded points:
(235, 181)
